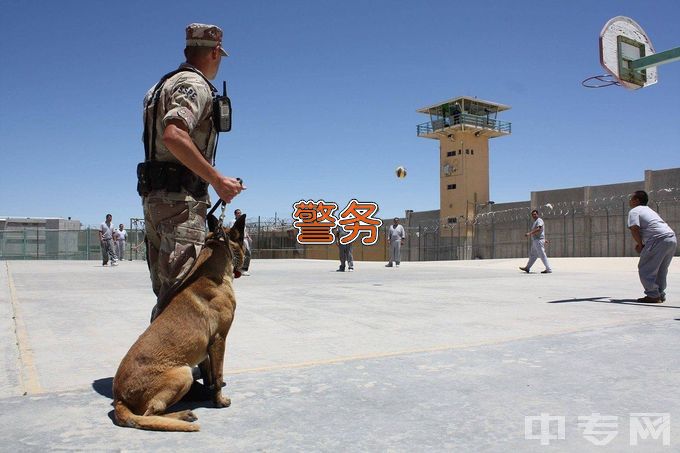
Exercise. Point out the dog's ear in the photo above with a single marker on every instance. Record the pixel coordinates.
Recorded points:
(212, 223)
(236, 231)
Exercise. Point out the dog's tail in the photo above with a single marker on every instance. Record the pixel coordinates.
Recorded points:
(125, 417)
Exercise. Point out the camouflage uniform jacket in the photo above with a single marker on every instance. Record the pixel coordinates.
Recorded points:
(186, 96)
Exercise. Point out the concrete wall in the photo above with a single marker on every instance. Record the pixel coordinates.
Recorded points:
(579, 221)
(499, 232)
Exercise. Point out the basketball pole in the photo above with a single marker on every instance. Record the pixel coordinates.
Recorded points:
(656, 59)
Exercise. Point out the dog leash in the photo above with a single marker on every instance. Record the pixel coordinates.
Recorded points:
(219, 203)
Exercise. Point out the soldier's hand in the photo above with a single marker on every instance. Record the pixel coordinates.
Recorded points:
(227, 188)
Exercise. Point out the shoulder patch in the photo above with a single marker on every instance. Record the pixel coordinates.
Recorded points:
(188, 91)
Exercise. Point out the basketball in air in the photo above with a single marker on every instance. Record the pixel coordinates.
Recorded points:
(401, 172)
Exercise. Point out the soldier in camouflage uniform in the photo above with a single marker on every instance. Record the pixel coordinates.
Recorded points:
(179, 112)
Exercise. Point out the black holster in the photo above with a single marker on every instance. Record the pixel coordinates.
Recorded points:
(169, 176)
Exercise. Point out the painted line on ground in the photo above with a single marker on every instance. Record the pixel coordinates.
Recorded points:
(441, 348)
(28, 374)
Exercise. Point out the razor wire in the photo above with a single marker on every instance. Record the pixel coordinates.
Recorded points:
(594, 206)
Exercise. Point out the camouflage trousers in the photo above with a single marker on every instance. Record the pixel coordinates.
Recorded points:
(175, 233)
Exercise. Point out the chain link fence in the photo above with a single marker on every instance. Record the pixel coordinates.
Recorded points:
(272, 238)
(596, 228)
(35, 243)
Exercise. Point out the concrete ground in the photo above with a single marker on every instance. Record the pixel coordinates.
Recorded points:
(432, 356)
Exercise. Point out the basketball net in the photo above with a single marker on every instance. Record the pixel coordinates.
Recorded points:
(600, 81)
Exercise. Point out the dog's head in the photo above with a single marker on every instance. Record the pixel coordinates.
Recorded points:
(231, 238)
(236, 236)
(221, 257)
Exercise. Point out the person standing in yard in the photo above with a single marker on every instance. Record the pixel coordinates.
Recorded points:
(656, 243)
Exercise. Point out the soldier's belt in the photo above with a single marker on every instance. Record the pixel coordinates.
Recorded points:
(169, 176)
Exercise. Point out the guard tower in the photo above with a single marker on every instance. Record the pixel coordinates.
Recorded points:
(463, 127)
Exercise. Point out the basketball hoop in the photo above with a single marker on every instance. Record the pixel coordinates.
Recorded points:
(600, 81)
(627, 54)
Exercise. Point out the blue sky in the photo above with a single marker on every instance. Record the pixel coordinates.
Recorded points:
(325, 97)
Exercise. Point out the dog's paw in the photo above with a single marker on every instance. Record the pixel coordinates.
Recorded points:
(188, 416)
(222, 401)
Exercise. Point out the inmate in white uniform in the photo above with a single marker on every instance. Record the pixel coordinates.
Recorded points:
(395, 235)
(108, 252)
(659, 247)
(121, 236)
(538, 246)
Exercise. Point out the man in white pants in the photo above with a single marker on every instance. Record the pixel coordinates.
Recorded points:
(655, 242)
(395, 238)
(120, 236)
(537, 234)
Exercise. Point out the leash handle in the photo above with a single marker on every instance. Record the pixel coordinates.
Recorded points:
(221, 202)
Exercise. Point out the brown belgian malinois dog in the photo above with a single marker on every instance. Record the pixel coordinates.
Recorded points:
(191, 330)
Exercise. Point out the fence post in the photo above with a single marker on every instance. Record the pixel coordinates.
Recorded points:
(493, 236)
(419, 234)
(587, 229)
(607, 211)
(458, 250)
(573, 231)
(130, 242)
(259, 235)
(564, 235)
(450, 242)
(386, 242)
(625, 225)
(528, 243)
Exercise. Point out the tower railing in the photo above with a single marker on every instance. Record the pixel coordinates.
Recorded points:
(465, 119)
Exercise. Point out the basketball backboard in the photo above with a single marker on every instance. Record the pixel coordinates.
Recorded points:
(623, 41)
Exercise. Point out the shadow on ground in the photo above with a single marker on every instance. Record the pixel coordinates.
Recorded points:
(197, 396)
(608, 300)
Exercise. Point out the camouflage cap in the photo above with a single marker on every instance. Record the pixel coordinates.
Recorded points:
(203, 35)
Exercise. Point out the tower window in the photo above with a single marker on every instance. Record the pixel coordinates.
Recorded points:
(472, 151)
(450, 153)
(450, 187)
(467, 151)
(452, 220)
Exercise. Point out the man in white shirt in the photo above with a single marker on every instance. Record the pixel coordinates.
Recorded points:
(395, 238)
(119, 236)
(106, 242)
(655, 242)
(537, 235)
